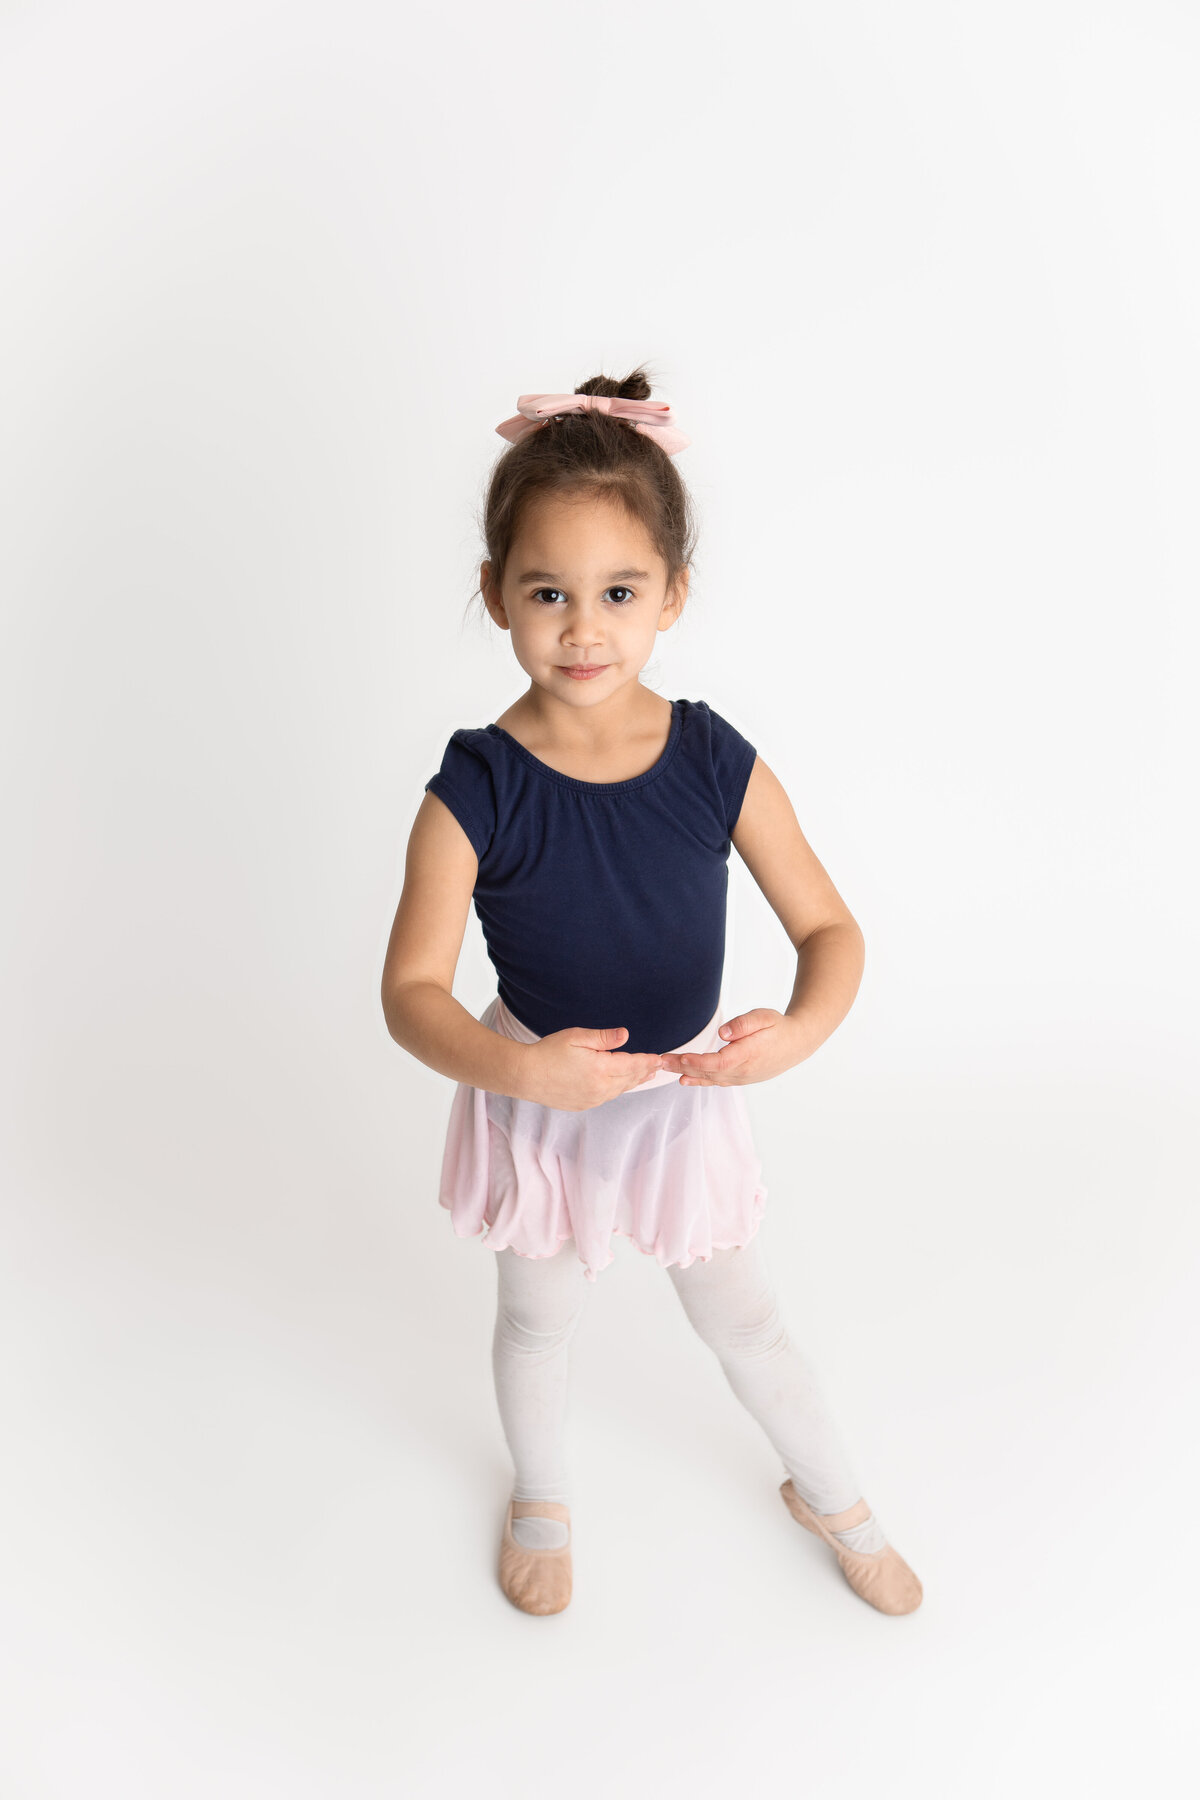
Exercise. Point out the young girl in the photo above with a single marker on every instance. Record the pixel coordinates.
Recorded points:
(599, 1091)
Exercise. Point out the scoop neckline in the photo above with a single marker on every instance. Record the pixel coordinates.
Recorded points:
(601, 787)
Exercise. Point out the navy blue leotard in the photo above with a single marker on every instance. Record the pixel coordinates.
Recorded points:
(603, 903)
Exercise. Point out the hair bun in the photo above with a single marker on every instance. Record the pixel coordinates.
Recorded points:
(634, 387)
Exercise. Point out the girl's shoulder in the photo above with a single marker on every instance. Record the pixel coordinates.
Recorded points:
(727, 755)
(711, 733)
(709, 722)
(466, 783)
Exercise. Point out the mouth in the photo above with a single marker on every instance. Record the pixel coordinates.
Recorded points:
(582, 671)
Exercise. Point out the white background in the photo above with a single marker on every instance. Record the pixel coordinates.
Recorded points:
(922, 283)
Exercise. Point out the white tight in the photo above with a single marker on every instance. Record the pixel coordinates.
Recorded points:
(731, 1303)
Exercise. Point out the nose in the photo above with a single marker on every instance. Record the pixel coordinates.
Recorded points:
(582, 630)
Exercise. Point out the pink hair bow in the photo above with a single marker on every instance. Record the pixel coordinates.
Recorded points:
(651, 416)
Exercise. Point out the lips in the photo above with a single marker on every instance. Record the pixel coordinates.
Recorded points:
(583, 671)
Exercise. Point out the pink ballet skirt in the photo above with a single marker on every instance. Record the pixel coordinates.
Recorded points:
(673, 1169)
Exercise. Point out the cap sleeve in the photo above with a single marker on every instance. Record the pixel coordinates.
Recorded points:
(733, 759)
(464, 783)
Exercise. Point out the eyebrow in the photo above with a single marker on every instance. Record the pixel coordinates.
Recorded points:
(614, 575)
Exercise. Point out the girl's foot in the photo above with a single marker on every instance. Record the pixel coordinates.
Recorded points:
(857, 1528)
(882, 1577)
(537, 1577)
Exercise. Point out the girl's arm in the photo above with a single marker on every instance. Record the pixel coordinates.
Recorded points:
(422, 955)
(830, 951)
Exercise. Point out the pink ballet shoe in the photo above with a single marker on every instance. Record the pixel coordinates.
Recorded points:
(881, 1577)
(538, 1581)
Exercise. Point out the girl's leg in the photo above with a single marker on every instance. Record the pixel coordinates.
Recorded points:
(539, 1301)
(731, 1302)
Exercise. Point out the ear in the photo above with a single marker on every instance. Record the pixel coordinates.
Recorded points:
(490, 589)
(676, 598)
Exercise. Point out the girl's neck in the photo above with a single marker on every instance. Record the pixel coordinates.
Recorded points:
(598, 744)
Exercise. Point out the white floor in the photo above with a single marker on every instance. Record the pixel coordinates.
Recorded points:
(249, 1551)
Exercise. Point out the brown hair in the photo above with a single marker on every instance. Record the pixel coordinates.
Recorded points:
(592, 453)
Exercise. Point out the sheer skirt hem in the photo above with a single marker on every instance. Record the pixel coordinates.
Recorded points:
(491, 1240)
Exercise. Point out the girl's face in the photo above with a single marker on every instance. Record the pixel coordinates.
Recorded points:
(583, 587)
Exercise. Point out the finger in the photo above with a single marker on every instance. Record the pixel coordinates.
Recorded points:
(605, 1037)
(755, 1020)
(702, 1063)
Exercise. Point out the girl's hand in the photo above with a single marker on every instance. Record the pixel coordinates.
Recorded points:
(759, 1044)
(578, 1068)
